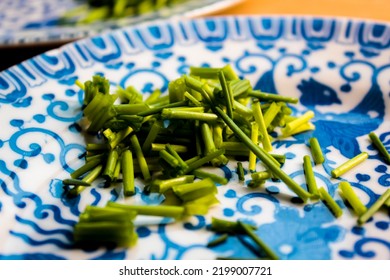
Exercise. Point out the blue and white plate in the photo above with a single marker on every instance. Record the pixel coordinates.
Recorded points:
(39, 21)
(339, 68)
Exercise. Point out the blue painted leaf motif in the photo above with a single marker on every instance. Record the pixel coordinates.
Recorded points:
(314, 93)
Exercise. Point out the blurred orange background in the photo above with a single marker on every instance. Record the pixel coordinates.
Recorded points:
(368, 9)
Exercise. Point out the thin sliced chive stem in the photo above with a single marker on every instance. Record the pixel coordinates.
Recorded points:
(242, 110)
(387, 202)
(218, 135)
(205, 72)
(217, 241)
(191, 98)
(240, 87)
(195, 190)
(170, 159)
(112, 159)
(192, 160)
(117, 170)
(207, 138)
(234, 146)
(198, 109)
(256, 183)
(161, 186)
(330, 202)
(240, 172)
(226, 93)
(128, 173)
(158, 109)
(80, 84)
(75, 182)
(140, 156)
(96, 147)
(280, 158)
(131, 109)
(349, 164)
(316, 151)
(380, 146)
(188, 115)
(303, 127)
(119, 136)
(374, 207)
(152, 135)
(251, 233)
(198, 86)
(349, 194)
(262, 127)
(202, 161)
(263, 96)
(89, 178)
(215, 178)
(173, 152)
(198, 139)
(271, 113)
(85, 168)
(291, 126)
(153, 97)
(229, 73)
(225, 226)
(157, 147)
(264, 157)
(310, 177)
(261, 175)
(151, 210)
(254, 138)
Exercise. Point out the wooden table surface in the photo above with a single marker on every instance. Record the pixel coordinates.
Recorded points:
(368, 9)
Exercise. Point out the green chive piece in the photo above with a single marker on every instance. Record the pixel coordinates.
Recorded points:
(330, 202)
(256, 183)
(202, 161)
(151, 210)
(131, 109)
(96, 147)
(240, 171)
(117, 170)
(188, 115)
(254, 138)
(302, 128)
(291, 126)
(227, 94)
(309, 176)
(229, 73)
(173, 152)
(109, 169)
(158, 109)
(387, 202)
(262, 127)
(252, 234)
(191, 191)
(261, 175)
(153, 97)
(349, 194)
(128, 173)
(215, 178)
(280, 158)
(374, 207)
(161, 186)
(205, 72)
(89, 178)
(96, 214)
(349, 164)
(141, 158)
(152, 135)
(75, 182)
(157, 147)
(191, 98)
(271, 113)
(380, 146)
(264, 157)
(263, 96)
(85, 168)
(316, 151)
(171, 160)
(217, 241)
(225, 226)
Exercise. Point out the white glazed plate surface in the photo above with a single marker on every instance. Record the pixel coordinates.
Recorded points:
(339, 68)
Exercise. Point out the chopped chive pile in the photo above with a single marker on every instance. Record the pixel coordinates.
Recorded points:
(208, 118)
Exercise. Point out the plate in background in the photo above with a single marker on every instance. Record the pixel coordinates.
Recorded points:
(336, 67)
(25, 23)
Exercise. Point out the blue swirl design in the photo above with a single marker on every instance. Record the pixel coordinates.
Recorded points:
(267, 55)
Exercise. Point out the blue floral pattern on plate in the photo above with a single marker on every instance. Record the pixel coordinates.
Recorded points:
(338, 68)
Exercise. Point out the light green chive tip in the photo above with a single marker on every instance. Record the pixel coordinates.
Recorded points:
(348, 165)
